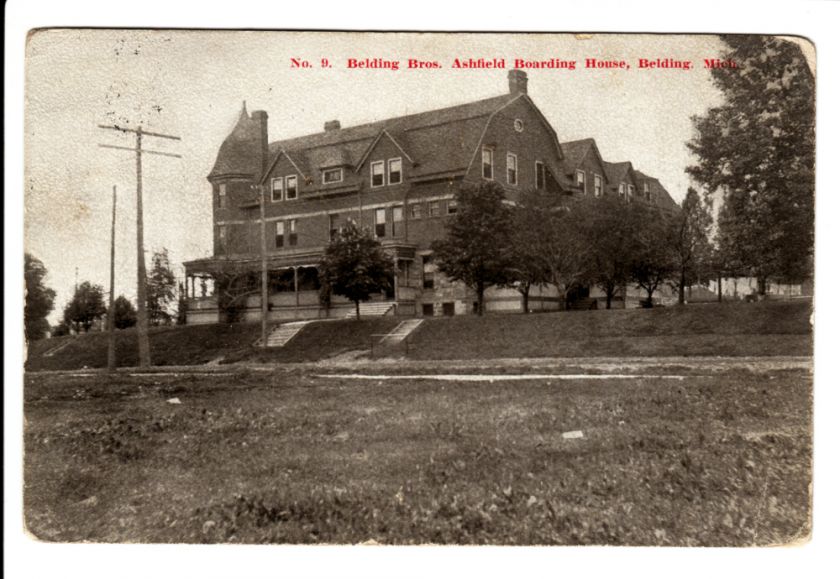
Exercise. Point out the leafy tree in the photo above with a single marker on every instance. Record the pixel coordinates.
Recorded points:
(125, 314)
(757, 151)
(86, 307)
(39, 301)
(475, 250)
(689, 240)
(355, 266)
(547, 244)
(610, 228)
(160, 289)
(653, 261)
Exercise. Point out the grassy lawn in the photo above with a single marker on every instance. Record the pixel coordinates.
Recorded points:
(770, 328)
(285, 456)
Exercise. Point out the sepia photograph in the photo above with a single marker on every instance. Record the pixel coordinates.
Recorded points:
(418, 288)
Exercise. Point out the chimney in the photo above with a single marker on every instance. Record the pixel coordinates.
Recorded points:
(261, 117)
(517, 81)
(332, 126)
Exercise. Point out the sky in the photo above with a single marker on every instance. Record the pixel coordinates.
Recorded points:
(192, 84)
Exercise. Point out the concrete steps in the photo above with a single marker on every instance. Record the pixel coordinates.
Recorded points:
(400, 333)
(372, 309)
(281, 335)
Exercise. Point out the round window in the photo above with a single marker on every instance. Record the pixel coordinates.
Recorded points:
(518, 125)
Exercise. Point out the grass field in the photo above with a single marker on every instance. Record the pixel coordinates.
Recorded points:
(287, 456)
(769, 328)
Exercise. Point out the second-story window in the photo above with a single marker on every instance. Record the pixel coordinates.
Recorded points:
(377, 174)
(487, 163)
(394, 171)
(380, 222)
(622, 189)
(279, 233)
(512, 169)
(292, 232)
(416, 211)
(434, 208)
(599, 185)
(647, 191)
(277, 189)
(223, 238)
(452, 207)
(540, 175)
(335, 225)
(396, 217)
(222, 195)
(333, 176)
(291, 187)
(580, 179)
(632, 190)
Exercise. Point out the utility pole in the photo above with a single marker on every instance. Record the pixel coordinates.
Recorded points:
(112, 350)
(260, 189)
(142, 317)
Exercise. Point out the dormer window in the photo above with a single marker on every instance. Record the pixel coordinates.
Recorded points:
(622, 189)
(487, 162)
(512, 169)
(333, 176)
(291, 187)
(540, 174)
(277, 189)
(599, 186)
(632, 190)
(377, 173)
(647, 191)
(580, 179)
(222, 195)
(394, 171)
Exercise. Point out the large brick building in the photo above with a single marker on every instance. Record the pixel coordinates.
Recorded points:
(398, 177)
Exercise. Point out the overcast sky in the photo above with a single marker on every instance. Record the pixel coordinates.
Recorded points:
(192, 84)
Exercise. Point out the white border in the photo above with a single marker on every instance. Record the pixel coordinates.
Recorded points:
(814, 19)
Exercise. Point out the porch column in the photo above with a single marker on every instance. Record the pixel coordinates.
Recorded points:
(191, 286)
(297, 293)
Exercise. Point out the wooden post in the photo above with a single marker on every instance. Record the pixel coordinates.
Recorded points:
(264, 270)
(145, 359)
(112, 350)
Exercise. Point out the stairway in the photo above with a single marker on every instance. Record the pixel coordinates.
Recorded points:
(281, 334)
(372, 309)
(400, 333)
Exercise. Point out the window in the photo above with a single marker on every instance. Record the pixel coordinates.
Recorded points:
(434, 208)
(377, 174)
(452, 207)
(518, 125)
(512, 169)
(292, 232)
(333, 176)
(291, 187)
(647, 191)
(599, 186)
(632, 190)
(380, 222)
(428, 309)
(279, 233)
(222, 195)
(540, 175)
(396, 217)
(222, 233)
(428, 272)
(487, 163)
(277, 189)
(416, 211)
(580, 179)
(621, 190)
(394, 171)
(335, 225)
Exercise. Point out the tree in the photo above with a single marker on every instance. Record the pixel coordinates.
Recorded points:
(654, 260)
(39, 301)
(160, 289)
(87, 306)
(610, 227)
(475, 250)
(689, 239)
(355, 266)
(125, 314)
(757, 152)
(547, 244)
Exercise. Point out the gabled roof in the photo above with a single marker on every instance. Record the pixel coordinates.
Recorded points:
(617, 172)
(426, 136)
(574, 152)
(659, 195)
